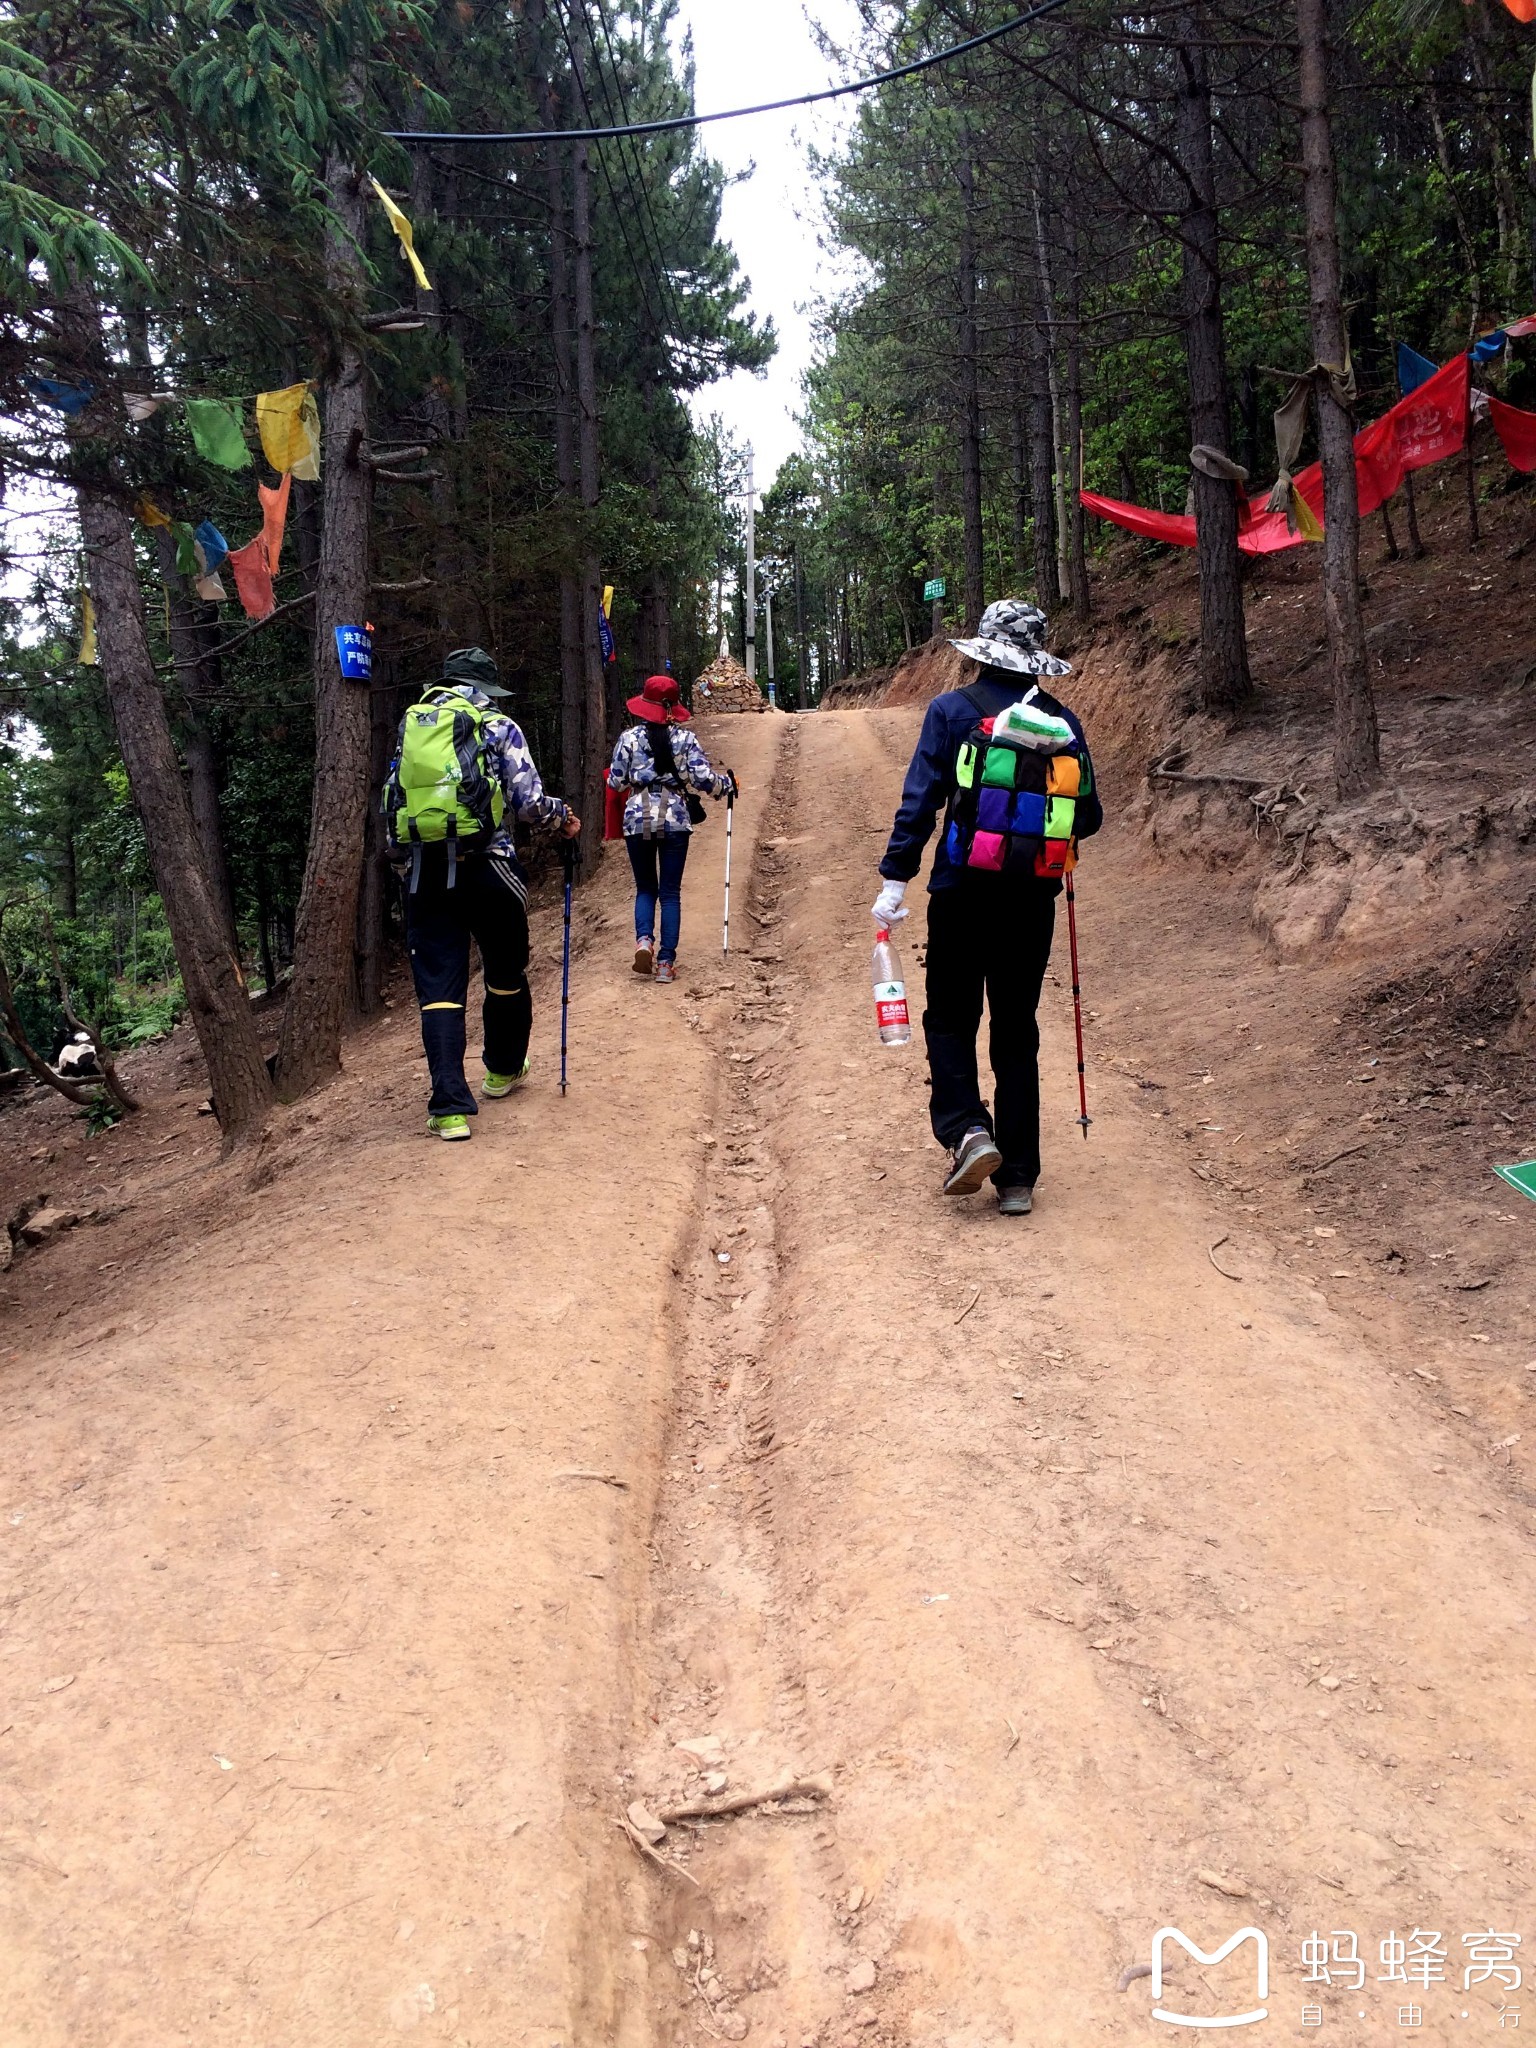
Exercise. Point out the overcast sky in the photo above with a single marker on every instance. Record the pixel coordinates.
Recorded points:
(747, 53)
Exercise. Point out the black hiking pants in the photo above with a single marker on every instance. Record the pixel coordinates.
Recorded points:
(988, 938)
(489, 904)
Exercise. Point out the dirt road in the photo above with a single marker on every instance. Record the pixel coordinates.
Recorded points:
(371, 1552)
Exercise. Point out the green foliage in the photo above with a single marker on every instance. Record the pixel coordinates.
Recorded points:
(1073, 142)
(209, 213)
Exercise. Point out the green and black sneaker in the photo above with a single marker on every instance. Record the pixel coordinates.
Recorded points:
(451, 1128)
(497, 1085)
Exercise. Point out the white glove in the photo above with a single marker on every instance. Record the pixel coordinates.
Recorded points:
(887, 907)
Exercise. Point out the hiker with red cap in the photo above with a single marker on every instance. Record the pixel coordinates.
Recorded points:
(661, 771)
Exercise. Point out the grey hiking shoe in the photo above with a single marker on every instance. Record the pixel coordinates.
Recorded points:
(1015, 1201)
(973, 1160)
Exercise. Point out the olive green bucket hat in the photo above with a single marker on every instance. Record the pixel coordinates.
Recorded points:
(474, 666)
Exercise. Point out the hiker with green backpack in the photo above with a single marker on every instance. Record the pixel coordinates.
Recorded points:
(1009, 765)
(462, 773)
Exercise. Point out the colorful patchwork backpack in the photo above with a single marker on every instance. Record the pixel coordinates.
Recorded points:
(1020, 775)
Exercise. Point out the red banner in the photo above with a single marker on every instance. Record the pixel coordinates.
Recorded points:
(1432, 421)
(1426, 426)
(1176, 528)
(1517, 431)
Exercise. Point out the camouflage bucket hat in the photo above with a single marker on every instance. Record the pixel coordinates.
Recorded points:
(474, 666)
(1012, 636)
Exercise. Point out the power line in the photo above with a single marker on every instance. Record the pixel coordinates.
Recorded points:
(680, 121)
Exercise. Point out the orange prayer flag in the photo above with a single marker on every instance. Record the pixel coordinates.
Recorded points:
(274, 516)
(253, 578)
(1522, 10)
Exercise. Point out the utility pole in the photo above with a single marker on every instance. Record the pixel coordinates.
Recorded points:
(801, 656)
(768, 616)
(749, 624)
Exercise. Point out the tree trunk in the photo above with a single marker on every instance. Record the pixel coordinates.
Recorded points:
(1077, 550)
(974, 593)
(450, 571)
(594, 724)
(1356, 742)
(1019, 493)
(373, 893)
(322, 992)
(1225, 679)
(215, 988)
(1052, 386)
(190, 655)
(572, 674)
(1041, 458)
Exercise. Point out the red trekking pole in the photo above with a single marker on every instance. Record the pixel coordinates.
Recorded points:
(1077, 1008)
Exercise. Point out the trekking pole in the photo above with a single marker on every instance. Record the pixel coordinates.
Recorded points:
(568, 855)
(1077, 1008)
(730, 813)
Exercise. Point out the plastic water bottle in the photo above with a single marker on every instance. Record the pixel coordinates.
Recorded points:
(895, 1026)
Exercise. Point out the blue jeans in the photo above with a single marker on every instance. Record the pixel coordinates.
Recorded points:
(658, 866)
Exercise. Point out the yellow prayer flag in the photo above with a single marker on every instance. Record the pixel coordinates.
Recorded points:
(283, 440)
(404, 230)
(149, 513)
(1308, 525)
(87, 657)
(307, 467)
(608, 601)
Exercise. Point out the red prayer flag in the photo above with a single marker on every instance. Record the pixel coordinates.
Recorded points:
(1522, 10)
(1516, 430)
(1432, 420)
(1177, 528)
(253, 578)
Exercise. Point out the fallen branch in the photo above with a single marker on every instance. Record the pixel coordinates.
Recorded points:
(968, 1306)
(818, 1787)
(606, 1478)
(1333, 1158)
(664, 1862)
(1211, 1252)
(1130, 1973)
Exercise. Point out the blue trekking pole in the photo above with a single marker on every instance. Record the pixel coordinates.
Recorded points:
(568, 855)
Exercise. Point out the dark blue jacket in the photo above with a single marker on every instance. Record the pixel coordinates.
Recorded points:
(930, 780)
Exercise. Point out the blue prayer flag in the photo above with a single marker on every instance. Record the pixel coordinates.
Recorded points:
(1412, 368)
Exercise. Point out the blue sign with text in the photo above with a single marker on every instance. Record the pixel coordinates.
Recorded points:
(354, 650)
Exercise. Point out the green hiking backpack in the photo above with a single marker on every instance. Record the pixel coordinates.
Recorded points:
(441, 790)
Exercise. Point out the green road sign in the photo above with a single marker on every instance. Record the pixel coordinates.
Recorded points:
(1521, 1177)
(934, 589)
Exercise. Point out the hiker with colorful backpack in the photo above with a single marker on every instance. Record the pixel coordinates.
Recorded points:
(660, 771)
(461, 774)
(1010, 768)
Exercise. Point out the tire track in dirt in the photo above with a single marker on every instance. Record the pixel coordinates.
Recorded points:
(1123, 1593)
